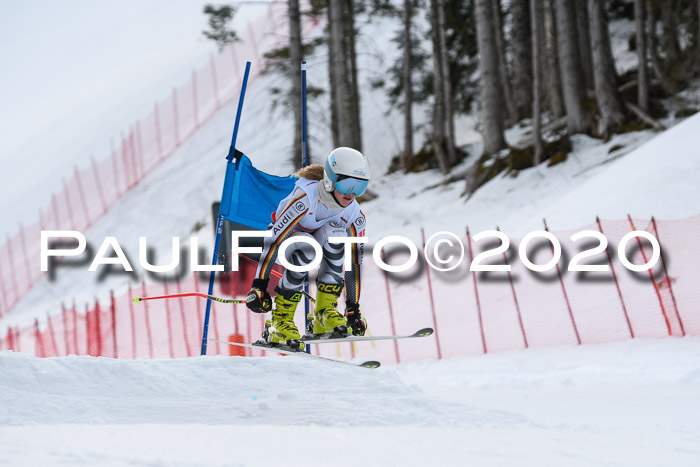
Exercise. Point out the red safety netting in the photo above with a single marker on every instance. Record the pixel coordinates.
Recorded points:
(472, 312)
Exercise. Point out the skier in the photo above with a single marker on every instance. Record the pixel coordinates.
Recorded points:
(323, 204)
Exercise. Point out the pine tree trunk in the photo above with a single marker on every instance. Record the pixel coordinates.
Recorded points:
(571, 70)
(512, 114)
(342, 97)
(351, 34)
(536, 21)
(697, 40)
(438, 138)
(407, 84)
(642, 73)
(295, 55)
(553, 76)
(522, 58)
(491, 102)
(607, 96)
(446, 88)
(331, 79)
(694, 52)
(584, 42)
(659, 69)
(669, 35)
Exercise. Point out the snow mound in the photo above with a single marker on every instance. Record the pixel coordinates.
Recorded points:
(631, 403)
(211, 390)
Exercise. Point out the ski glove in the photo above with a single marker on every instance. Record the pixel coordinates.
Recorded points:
(258, 300)
(354, 319)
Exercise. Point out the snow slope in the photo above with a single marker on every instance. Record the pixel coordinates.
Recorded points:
(630, 403)
(651, 175)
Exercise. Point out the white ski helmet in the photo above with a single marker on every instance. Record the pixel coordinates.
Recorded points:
(346, 170)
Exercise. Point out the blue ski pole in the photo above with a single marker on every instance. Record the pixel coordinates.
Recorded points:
(220, 221)
(304, 163)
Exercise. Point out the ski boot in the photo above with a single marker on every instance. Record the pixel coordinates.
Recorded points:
(280, 331)
(328, 322)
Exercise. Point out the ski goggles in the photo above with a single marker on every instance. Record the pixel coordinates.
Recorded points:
(351, 186)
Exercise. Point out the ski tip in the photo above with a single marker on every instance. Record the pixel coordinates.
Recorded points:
(424, 332)
(137, 299)
(370, 364)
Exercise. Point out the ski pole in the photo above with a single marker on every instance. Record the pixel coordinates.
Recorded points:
(304, 163)
(203, 295)
(191, 294)
(217, 299)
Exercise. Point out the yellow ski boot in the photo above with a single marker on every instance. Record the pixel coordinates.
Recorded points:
(327, 320)
(281, 330)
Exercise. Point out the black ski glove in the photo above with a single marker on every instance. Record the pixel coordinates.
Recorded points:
(355, 319)
(258, 300)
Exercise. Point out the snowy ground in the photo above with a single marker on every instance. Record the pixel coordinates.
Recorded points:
(632, 403)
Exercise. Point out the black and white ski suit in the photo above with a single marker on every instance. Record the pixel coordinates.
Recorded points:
(303, 213)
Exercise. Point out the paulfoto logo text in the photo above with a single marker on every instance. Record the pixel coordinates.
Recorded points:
(443, 251)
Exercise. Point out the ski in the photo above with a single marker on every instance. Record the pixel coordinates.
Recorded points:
(327, 340)
(302, 354)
